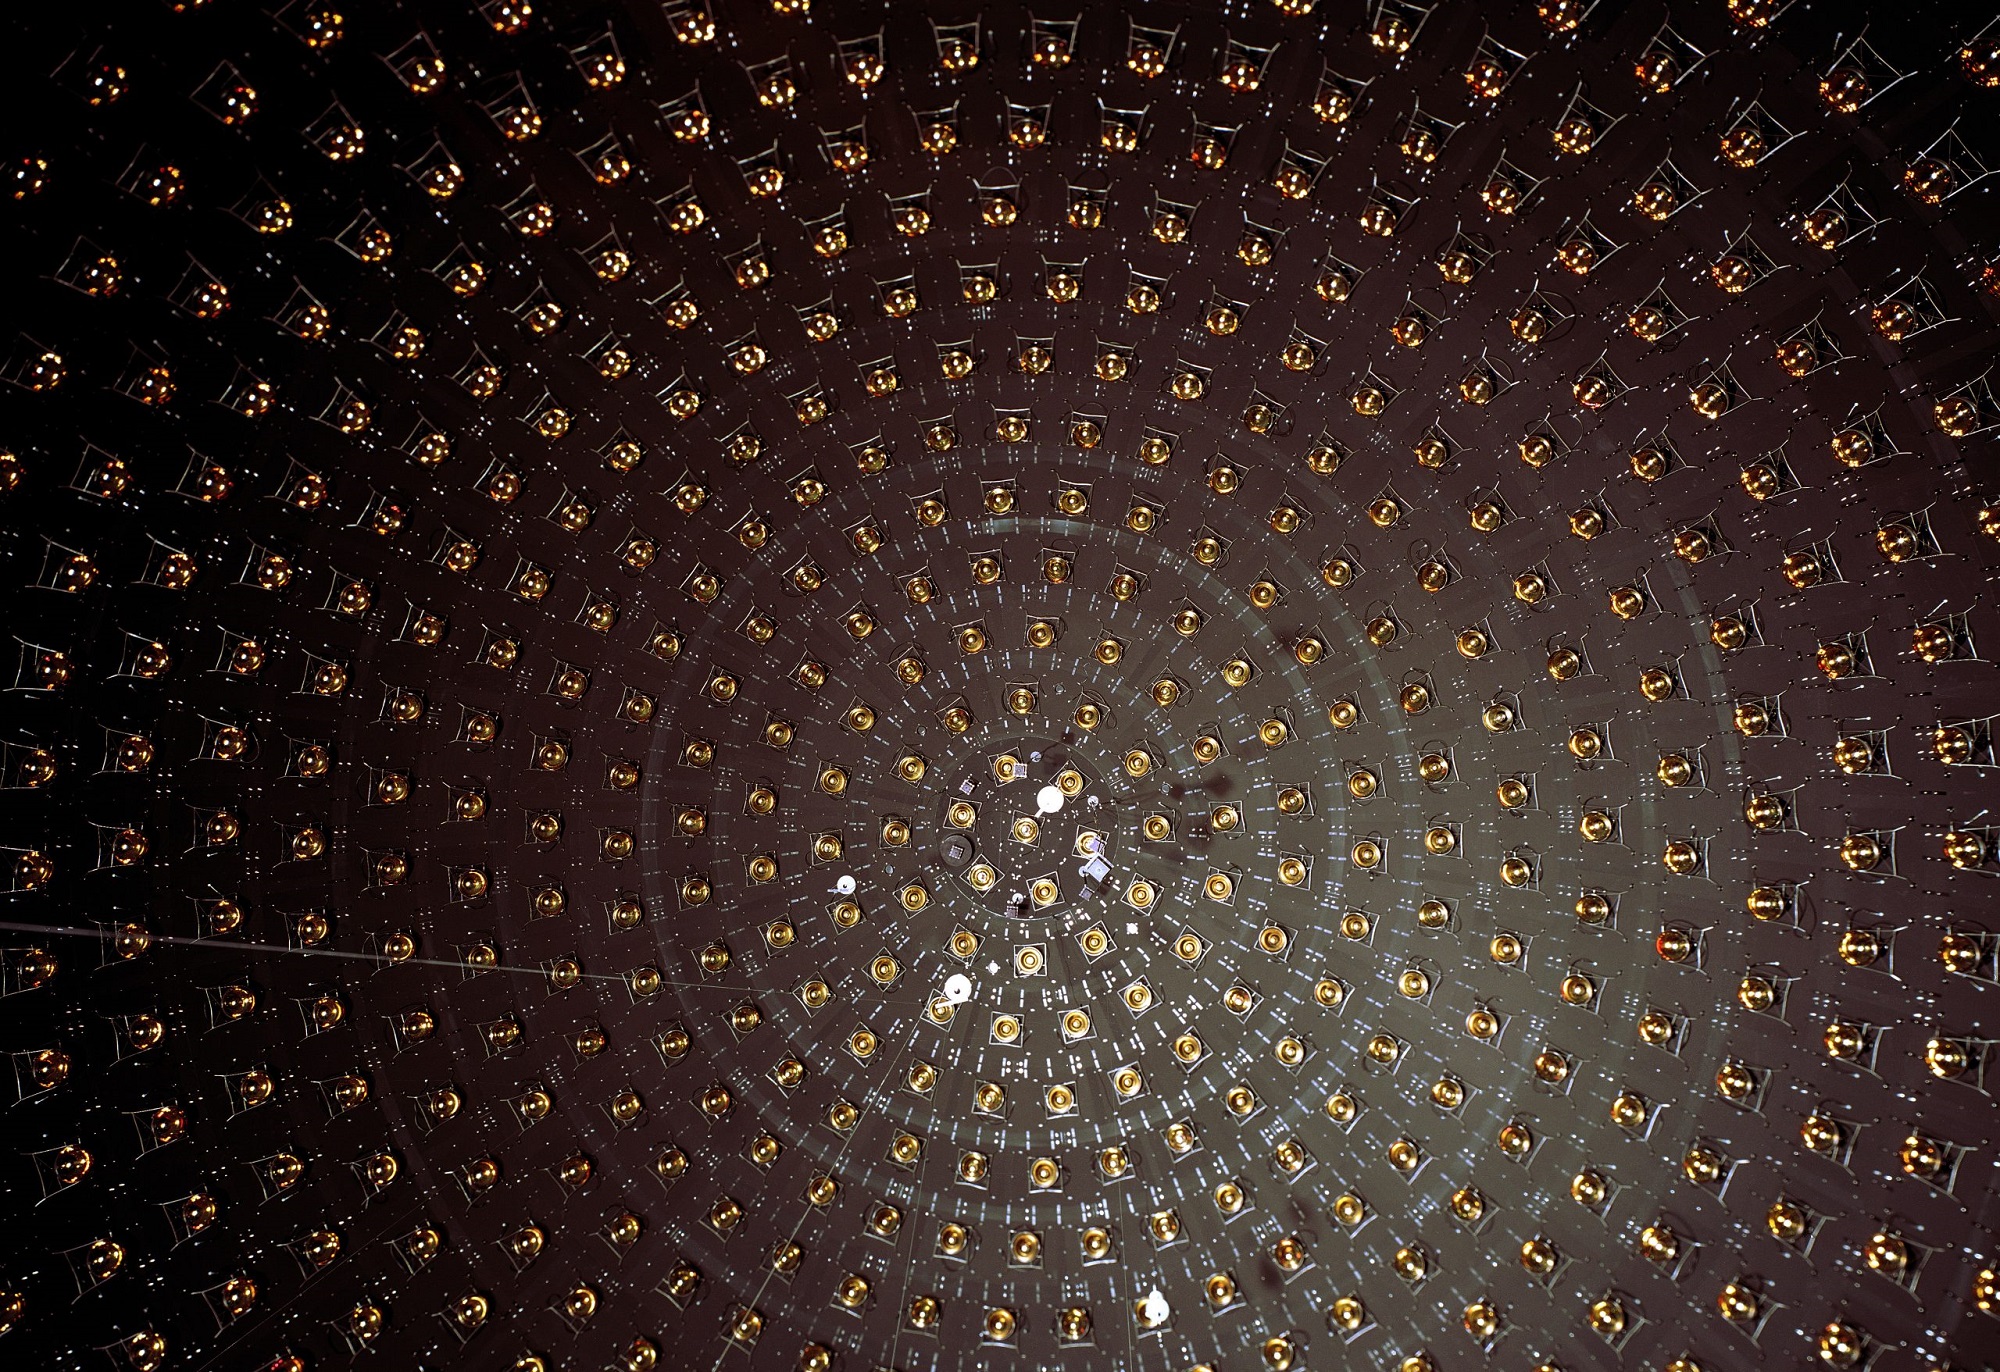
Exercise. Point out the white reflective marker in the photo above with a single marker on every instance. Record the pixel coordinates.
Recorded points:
(845, 885)
(958, 988)
(1049, 799)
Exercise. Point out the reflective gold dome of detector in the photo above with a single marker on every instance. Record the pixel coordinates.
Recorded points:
(839, 684)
